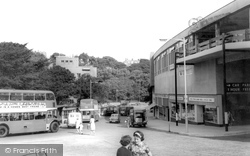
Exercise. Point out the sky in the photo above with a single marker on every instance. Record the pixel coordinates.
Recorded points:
(122, 29)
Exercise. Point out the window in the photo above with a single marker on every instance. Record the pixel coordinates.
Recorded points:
(62, 60)
(15, 96)
(50, 96)
(4, 96)
(39, 96)
(25, 116)
(4, 117)
(39, 115)
(28, 96)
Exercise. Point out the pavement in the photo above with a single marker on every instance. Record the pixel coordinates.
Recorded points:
(196, 130)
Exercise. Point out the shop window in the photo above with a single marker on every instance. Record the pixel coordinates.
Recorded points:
(190, 112)
(211, 114)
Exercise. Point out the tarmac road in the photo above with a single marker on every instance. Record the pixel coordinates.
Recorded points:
(106, 141)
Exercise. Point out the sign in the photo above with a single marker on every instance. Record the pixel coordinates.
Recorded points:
(238, 87)
(198, 99)
(22, 105)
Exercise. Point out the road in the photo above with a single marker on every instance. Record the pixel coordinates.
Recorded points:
(106, 142)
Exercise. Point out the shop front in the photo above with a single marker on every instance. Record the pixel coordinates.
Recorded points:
(201, 109)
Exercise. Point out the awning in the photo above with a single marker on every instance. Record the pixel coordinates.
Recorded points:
(16, 110)
(150, 106)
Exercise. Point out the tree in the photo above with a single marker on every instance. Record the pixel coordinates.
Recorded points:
(59, 80)
(19, 66)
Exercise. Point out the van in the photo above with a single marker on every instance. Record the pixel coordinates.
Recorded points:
(72, 117)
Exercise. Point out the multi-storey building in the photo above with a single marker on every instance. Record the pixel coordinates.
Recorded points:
(73, 65)
(214, 84)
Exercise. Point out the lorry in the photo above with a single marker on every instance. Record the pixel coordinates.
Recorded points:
(72, 117)
(138, 116)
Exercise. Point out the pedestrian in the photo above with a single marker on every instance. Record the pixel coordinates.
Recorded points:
(128, 122)
(81, 128)
(124, 151)
(92, 125)
(138, 147)
(230, 119)
(78, 125)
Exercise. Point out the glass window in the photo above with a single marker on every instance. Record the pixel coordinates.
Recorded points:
(25, 116)
(31, 116)
(211, 114)
(50, 96)
(18, 116)
(15, 96)
(4, 96)
(39, 96)
(4, 117)
(28, 96)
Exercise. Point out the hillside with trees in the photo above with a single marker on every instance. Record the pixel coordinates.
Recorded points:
(23, 68)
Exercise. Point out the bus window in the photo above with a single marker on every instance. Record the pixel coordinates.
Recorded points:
(4, 117)
(16, 96)
(31, 116)
(39, 96)
(12, 117)
(38, 115)
(50, 96)
(4, 96)
(28, 96)
(18, 116)
(25, 116)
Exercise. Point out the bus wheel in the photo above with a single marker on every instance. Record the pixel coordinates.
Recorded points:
(54, 127)
(3, 131)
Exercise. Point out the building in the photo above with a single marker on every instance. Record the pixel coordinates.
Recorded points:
(211, 90)
(72, 64)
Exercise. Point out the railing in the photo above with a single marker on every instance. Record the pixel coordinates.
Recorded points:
(238, 36)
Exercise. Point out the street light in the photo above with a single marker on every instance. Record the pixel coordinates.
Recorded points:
(176, 101)
(225, 80)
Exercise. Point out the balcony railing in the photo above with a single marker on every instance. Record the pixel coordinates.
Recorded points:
(238, 36)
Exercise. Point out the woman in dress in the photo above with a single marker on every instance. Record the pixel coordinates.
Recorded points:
(138, 147)
(92, 125)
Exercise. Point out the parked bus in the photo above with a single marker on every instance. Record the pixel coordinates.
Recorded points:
(26, 111)
(89, 107)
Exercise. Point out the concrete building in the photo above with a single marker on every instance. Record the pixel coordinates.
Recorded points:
(72, 64)
(214, 85)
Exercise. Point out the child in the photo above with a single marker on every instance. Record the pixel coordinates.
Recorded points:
(77, 125)
(81, 129)
(123, 151)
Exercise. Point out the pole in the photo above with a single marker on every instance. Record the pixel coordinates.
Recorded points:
(90, 89)
(185, 84)
(176, 110)
(225, 82)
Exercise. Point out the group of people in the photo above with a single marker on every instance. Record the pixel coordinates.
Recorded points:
(91, 126)
(133, 148)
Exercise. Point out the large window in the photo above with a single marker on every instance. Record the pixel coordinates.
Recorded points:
(4, 96)
(15, 96)
(28, 96)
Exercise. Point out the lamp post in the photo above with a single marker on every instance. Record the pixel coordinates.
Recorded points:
(185, 84)
(225, 80)
(176, 100)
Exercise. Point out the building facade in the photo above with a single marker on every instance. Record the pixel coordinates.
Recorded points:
(72, 64)
(214, 84)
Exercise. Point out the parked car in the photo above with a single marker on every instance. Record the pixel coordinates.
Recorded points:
(114, 118)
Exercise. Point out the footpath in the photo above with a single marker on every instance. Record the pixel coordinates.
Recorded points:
(196, 130)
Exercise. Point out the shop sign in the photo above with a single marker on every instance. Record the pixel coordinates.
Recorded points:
(22, 105)
(238, 87)
(198, 99)
(173, 98)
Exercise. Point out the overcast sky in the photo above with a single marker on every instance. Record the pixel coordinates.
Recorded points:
(118, 28)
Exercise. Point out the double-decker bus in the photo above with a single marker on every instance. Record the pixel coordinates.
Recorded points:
(89, 107)
(26, 111)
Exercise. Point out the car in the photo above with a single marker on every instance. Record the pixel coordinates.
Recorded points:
(114, 118)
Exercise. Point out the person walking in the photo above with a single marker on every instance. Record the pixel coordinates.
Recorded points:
(128, 121)
(230, 119)
(123, 151)
(81, 129)
(138, 147)
(78, 125)
(92, 125)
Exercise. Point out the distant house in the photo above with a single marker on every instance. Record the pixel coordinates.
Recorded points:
(72, 64)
